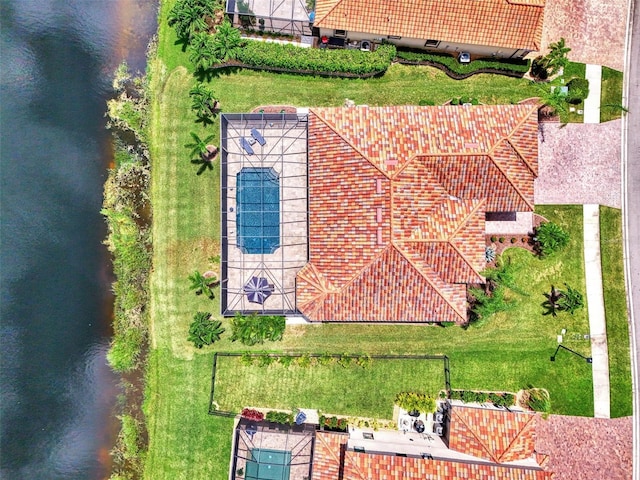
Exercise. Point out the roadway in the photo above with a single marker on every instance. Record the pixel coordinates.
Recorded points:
(631, 210)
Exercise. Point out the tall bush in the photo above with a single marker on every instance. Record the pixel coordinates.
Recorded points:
(253, 329)
(578, 90)
(550, 238)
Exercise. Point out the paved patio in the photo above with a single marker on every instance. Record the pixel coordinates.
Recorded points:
(578, 164)
(593, 29)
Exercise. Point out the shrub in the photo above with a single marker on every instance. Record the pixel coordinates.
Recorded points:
(578, 90)
(501, 239)
(570, 300)
(265, 360)
(474, 101)
(455, 101)
(550, 238)
(344, 360)
(247, 359)
(334, 423)
(484, 305)
(494, 238)
(452, 64)
(464, 100)
(251, 414)
(417, 401)
(424, 103)
(537, 399)
(254, 329)
(316, 60)
(282, 418)
(364, 361)
(326, 359)
(286, 360)
(514, 239)
(304, 360)
(203, 330)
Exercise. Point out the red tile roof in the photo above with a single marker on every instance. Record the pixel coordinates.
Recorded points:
(397, 198)
(498, 23)
(331, 461)
(495, 435)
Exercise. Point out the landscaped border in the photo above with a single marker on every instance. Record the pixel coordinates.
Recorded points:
(224, 413)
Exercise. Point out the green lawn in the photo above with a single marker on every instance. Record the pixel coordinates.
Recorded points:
(615, 305)
(341, 390)
(611, 94)
(509, 352)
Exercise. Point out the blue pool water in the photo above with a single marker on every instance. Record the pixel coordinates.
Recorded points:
(258, 210)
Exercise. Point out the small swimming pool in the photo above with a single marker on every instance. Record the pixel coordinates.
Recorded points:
(258, 210)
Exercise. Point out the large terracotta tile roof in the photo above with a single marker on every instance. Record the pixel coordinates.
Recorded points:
(495, 435)
(397, 199)
(498, 23)
(331, 461)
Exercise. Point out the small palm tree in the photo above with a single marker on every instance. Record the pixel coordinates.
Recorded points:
(226, 42)
(201, 51)
(557, 56)
(187, 17)
(199, 145)
(203, 330)
(552, 302)
(202, 284)
(204, 103)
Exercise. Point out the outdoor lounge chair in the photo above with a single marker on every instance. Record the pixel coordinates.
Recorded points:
(246, 146)
(256, 134)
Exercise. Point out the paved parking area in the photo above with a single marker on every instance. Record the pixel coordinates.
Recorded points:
(593, 29)
(579, 163)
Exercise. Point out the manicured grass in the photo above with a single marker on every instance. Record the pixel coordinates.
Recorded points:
(509, 352)
(615, 305)
(611, 94)
(343, 390)
(573, 70)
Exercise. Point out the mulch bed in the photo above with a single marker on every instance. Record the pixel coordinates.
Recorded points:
(274, 109)
(521, 241)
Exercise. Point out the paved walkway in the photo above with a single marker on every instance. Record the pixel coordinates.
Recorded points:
(595, 304)
(592, 102)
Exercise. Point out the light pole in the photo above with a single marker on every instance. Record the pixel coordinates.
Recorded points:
(553, 357)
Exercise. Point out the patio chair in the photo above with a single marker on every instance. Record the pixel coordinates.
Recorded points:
(256, 134)
(246, 146)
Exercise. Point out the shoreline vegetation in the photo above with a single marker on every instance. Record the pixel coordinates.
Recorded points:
(127, 211)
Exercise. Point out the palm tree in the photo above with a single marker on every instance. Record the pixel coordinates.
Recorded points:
(188, 18)
(199, 146)
(203, 330)
(204, 103)
(202, 284)
(201, 51)
(552, 302)
(557, 56)
(226, 42)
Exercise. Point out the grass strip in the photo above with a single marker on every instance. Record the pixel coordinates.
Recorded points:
(615, 306)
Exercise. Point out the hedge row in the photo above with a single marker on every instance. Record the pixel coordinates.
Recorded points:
(508, 65)
(291, 57)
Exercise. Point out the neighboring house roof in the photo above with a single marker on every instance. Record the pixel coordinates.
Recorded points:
(496, 435)
(331, 461)
(397, 199)
(583, 448)
(500, 23)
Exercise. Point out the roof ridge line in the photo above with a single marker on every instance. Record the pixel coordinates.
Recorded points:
(525, 161)
(364, 267)
(347, 141)
(437, 290)
(481, 203)
(524, 427)
(484, 445)
(504, 174)
(338, 2)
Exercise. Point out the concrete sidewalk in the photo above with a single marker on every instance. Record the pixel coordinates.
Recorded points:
(595, 304)
(592, 102)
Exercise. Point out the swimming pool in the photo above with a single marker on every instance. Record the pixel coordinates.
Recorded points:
(258, 210)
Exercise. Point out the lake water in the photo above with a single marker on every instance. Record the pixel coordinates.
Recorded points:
(57, 394)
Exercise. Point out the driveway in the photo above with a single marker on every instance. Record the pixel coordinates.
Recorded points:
(593, 29)
(579, 163)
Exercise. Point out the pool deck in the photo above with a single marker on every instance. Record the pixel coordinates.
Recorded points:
(285, 151)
